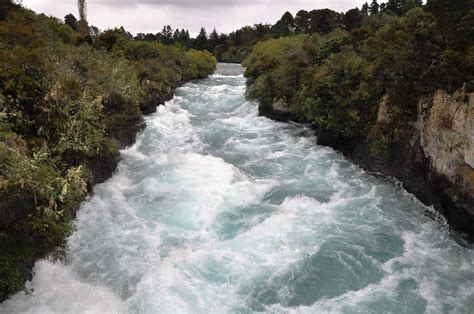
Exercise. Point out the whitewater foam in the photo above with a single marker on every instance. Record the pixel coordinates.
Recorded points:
(218, 210)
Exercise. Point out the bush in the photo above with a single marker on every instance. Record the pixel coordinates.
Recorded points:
(337, 80)
(337, 95)
(201, 63)
(273, 69)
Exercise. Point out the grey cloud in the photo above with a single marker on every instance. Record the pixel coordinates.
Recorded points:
(202, 4)
(148, 16)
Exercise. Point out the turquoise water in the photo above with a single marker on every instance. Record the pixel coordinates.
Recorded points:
(217, 210)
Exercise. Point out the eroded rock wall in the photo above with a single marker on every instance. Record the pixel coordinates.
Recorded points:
(447, 137)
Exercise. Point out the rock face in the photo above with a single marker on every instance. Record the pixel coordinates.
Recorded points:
(435, 163)
(446, 130)
(278, 110)
(447, 137)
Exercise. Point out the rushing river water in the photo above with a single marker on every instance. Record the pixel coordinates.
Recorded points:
(217, 210)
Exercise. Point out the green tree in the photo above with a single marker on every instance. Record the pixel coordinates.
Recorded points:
(455, 20)
(324, 21)
(336, 95)
(200, 43)
(395, 6)
(285, 26)
(5, 6)
(365, 9)
(374, 8)
(213, 40)
(352, 19)
(411, 4)
(184, 38)
(72, 22)
(166, 35)
(176, 36)
(302, 22)
(273, 70)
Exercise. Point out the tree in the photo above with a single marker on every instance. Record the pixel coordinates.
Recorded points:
(455, 20)
(285, 26)
(72, 22)
(122, 31)
(365, 9)
(213, 40)
(214, 35)
(5, 5)
(262, 30)
(324, 21)
(94, 31)
(166, 35)
(395, 6)
(411, 4)
(201, 40)
(302, 22)
(146, 37)
(176, 36)
(83, 26)
(184, 38)
(352, 19)
(374, 7)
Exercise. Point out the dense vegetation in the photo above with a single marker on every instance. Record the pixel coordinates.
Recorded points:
(336, 78)
(69, 99)
(234, 47)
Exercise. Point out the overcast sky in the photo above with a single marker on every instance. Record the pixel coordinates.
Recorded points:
(149, 16)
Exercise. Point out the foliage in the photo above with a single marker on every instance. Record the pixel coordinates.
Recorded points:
(402, 53)
(337, 95)
(337, 80)
(72, 22)
(273, 69)
(235, 46)
(159, 67)
(201, 63)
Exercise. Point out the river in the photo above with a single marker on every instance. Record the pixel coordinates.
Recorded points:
(218, 210)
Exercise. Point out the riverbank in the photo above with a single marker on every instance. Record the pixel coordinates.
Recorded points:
(68, 103)
(101, 168)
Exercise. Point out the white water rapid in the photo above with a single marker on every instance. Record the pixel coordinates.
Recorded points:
(218, 210)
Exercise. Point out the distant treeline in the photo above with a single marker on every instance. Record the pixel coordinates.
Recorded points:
(235, 46)
(70, 98)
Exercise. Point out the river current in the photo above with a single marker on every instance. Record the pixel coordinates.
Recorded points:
(218, 210)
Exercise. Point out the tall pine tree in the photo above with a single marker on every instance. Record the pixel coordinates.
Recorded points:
(201, 40)
(374, 7)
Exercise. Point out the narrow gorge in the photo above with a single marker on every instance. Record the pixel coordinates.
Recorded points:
(216, 209)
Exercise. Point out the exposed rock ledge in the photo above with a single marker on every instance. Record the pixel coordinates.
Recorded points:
(447, 136)
(279, 110)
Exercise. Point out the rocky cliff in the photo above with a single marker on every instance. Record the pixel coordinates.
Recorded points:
(446, 125)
